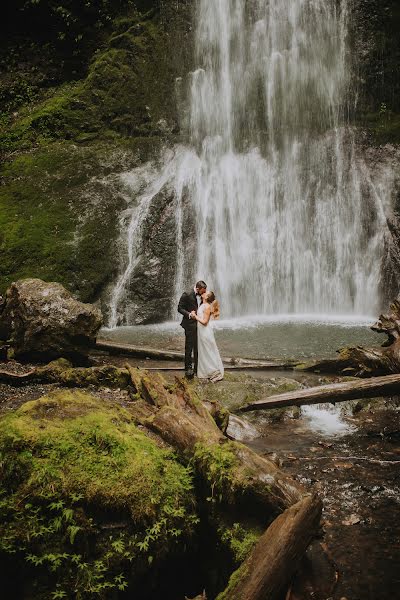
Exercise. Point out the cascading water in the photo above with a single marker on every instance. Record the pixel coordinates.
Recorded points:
(287, 215)
(287, 218)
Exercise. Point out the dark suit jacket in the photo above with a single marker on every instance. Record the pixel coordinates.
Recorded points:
(187, 303)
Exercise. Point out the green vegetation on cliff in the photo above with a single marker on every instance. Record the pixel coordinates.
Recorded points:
(70, 124)
(87, 498)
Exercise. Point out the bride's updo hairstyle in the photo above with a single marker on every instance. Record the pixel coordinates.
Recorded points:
(210, 297)
(214, 305)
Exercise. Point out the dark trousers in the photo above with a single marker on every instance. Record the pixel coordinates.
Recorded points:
(191, 349)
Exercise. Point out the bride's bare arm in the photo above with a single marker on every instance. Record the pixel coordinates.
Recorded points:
(207, 315)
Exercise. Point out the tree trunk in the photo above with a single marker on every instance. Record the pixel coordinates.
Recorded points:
(356, 361)
(336, 392)
(234, 473)
(267, 571)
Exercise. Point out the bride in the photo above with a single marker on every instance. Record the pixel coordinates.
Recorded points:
(209, 362)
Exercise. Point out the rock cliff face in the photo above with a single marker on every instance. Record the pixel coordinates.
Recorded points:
(90, 93)
(79, 109)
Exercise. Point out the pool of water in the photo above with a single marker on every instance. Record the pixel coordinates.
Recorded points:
(273, 337)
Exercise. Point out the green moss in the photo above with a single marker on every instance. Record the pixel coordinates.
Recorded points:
(60, 198)
(126, 92)
(239, 389)
(57, 220)
(70, 464)
(384, 126)
(107, 375)
(216, 463)
(235, 578)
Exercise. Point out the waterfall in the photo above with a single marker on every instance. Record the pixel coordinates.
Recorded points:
(288, 217)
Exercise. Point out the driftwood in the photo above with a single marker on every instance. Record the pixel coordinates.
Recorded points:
(356, 361)
(368, 362)
(163, 355)
(137, 351)
(62, 373)
(336, 392)
(275, 558)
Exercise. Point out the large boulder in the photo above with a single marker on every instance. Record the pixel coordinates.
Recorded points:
(43, 321)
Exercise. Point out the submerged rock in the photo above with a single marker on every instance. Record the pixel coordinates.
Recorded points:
(43, 321)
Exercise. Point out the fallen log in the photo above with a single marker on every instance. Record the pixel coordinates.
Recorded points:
(254, 363)
(62, 373)
(387, 385)
(155, 354)
(356, 361)
(368, 362)
(234, 476)
(234, 473)
(137, 351)
(267, 571)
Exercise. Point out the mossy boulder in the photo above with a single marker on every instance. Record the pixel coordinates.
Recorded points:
(42, 320)
(87, 498)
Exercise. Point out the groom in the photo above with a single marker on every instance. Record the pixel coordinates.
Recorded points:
(189, 302)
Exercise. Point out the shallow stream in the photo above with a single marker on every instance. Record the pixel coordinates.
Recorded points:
(354, 463)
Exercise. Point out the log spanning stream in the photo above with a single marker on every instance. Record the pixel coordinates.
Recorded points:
(271, 193)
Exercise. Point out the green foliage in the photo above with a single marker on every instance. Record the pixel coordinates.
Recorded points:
(86, 93)
(70, 464)
(236, 576)
(216, 462)
(126, 92)
(240, 540)
(59, 202)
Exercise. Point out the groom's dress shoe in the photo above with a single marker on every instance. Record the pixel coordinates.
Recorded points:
(189, 374)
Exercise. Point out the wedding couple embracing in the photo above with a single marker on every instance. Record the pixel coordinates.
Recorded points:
(199, 309)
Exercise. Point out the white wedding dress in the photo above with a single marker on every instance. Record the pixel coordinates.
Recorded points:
(209, 360)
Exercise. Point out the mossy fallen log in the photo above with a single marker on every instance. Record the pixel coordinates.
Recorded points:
(235, 475)
(367, 362)
(356, 361)
(63, 373)
(233, 472)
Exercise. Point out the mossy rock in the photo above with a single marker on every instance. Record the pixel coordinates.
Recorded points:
(87, 497)
(61, 371)
(236, 390)
(58, 221)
